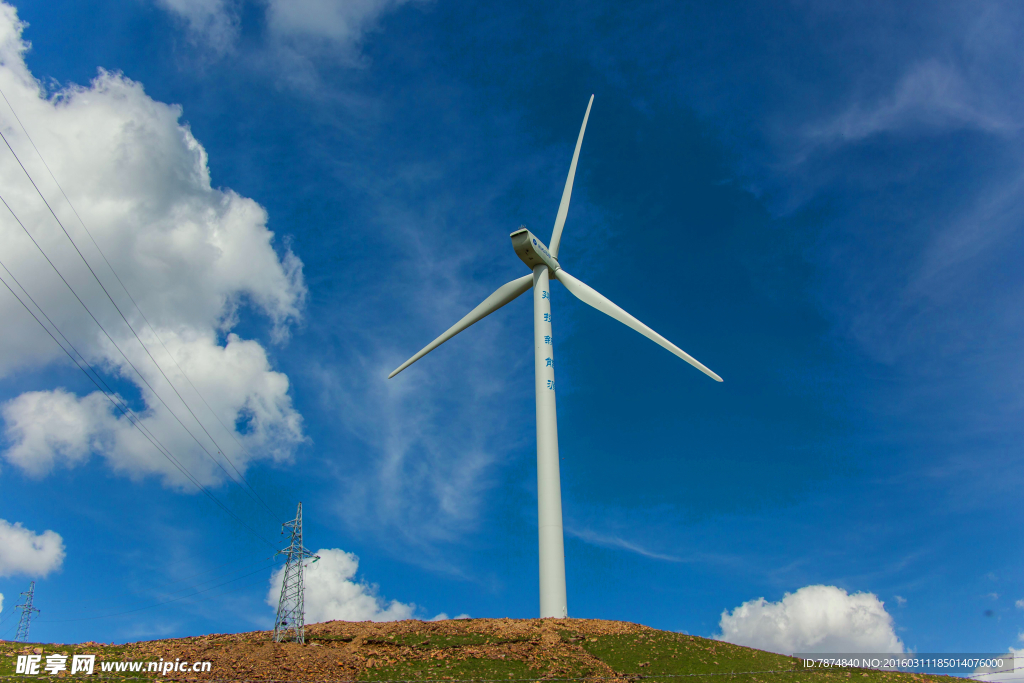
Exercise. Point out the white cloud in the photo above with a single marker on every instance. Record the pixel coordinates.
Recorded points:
(333, 593)
(440, 430)
(22, 551)
(192, 257)
(215, 21)
(900, 600)
(337, 24)
(813, 619)
(1003, 675)
(446, 431)
(444, 617)
(1, 602)
(1020, 604)
(304, 33)
(49, 427)
(46, 429)
(613, 541)
(930, 96)
(342, 21)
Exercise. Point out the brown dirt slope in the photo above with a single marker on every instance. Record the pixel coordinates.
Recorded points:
(466, 649)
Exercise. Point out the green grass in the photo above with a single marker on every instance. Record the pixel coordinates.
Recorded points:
(489, 669)
(322, 639)
(440, 640)
(679, 658)
(673, 653)
(654, 656)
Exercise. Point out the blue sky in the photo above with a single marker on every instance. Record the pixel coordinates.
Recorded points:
(821, 203)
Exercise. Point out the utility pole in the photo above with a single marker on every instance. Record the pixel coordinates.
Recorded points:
(27, 610)
(291, 617)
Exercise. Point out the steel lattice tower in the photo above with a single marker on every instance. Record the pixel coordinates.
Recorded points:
(290, 623)
(27, 610)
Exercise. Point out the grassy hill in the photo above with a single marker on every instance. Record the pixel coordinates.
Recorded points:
(470, 649)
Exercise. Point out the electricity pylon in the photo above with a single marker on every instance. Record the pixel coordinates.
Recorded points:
(27, 610)
(291, 617)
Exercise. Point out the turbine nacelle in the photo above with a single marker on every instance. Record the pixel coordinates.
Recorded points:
(536, 255)
(532, 251)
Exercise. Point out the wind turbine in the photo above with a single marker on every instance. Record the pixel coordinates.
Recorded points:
(544, 264)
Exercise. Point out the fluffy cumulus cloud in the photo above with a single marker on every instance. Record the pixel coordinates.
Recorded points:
(332, 592)
(192, 258)
(50, 427)
(1005, 674)
(813, 619)
(25, 552)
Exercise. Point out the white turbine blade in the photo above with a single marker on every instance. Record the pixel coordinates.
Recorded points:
(502, 295)
(590, 296)
(563, 206)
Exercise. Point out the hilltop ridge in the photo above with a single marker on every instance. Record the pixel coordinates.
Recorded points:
(469, 649)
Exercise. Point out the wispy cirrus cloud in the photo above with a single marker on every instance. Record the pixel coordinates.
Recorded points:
(332, 29)
(917, 155)
(439, 432)
(613, 541)
(931, 97)
(215, 23)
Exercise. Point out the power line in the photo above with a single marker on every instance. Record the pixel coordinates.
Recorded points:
(207, 571)
(154, 588)
(106, 390)
(111, 339)
(137, 307)
(129, 414)
(98, 379)
(9, 630)
(6, 616)
(165, 602)
(125, 319)
(131, 607)
(122, 403)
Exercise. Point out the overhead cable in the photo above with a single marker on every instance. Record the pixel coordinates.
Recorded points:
(111, 339)
(117, 277)
(165, 602)
(129, 415)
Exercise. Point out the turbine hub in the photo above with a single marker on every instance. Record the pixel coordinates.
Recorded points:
(532, 251)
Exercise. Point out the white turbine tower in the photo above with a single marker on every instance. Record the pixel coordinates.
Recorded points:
(544, 264)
